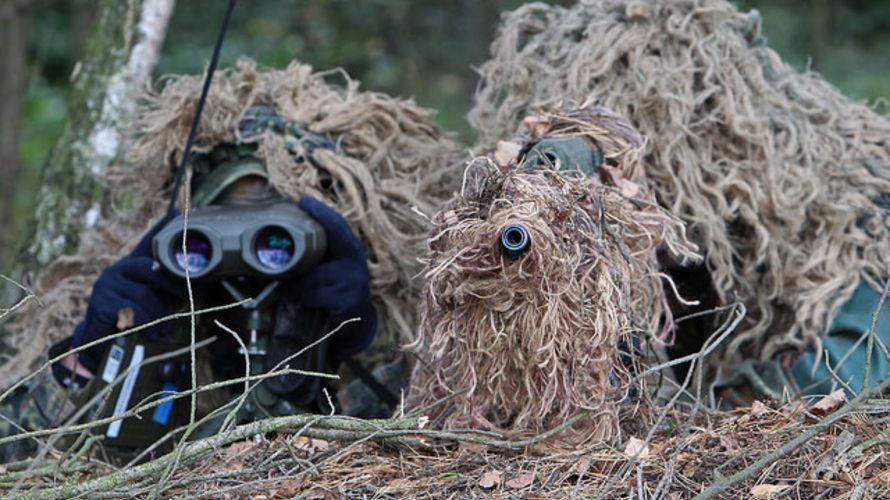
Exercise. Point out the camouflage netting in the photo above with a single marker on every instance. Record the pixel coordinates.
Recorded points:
(780, 177)
(389, 158)
(519, 344)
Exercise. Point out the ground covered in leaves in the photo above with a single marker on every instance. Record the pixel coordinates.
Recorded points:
(690, 452)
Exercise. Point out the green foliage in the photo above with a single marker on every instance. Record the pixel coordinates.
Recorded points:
(44, 110)
(845, 41)
(419, 48)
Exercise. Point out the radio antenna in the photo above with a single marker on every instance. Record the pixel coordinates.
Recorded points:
(186, 154)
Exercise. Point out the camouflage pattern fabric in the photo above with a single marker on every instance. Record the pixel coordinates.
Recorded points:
(259, 119)
(356, 399)
(42, 403)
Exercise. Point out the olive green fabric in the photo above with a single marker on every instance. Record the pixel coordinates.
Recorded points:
(807, 374)
(223, 176)
(565, 153)
(845, 349)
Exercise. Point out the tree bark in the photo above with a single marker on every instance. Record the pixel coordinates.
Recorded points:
(120, 55)
(13, 38)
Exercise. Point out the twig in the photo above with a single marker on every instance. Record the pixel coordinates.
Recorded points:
(29, 296)
(710, 344)
(135, 329)
(329, 427)
(708, 347)
(872, 331)
(152, 404)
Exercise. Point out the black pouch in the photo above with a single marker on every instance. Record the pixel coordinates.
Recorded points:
(296, 328)
(140, 377)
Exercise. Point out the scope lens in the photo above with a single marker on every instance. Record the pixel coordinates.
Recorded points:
(198, 252)
(515, 239)
(274, 248)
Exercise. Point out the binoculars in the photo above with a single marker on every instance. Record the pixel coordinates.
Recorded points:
(275, 241)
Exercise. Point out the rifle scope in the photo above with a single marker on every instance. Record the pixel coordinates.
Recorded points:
(515, 239)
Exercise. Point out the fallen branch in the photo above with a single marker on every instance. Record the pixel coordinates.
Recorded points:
(404, 430)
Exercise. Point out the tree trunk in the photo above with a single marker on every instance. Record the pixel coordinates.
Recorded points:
(120, 55)
(13, 38)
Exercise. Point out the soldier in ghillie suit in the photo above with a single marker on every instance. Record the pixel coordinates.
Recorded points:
(543, 277)
(783, 181)
(353, 165)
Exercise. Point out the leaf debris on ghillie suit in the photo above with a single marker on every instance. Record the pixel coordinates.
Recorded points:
(519, 344)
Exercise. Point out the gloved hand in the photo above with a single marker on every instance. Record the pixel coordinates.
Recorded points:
(135, 282)
(340, 285)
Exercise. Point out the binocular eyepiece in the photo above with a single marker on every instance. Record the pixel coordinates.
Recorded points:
(515, 239)
(273, 241)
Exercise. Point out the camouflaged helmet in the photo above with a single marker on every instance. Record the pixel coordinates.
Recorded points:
(226, 165)
(215, 185)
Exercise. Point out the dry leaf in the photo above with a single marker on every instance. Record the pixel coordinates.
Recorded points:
(581, 466)
(288, 488)
(126, 318)
(310, 445)
(239, 448)
(793, 408)
(830, 402)
(316, 494)
(614, 176)
(767, 491)
(758, 409)
(475, 448)
(537, 125)
(521, 481)
(506, 152)
(729, 442)
(636, 448)
(490, 479)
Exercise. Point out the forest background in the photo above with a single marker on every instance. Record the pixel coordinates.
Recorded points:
(423, 49)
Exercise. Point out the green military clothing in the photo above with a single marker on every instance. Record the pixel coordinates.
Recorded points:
(807, 374)
(845, 349)
(41, 403)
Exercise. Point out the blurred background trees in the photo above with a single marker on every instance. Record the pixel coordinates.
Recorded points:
(420, 48)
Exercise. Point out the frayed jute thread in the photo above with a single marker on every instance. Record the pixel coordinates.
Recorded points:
(518, 345)
(776, 172)
(390, 162)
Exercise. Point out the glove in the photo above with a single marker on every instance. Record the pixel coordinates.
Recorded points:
(135, 282)
(340, 284)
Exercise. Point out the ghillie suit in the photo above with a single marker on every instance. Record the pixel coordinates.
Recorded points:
(519, 343)
(388, 158)
(781, 179)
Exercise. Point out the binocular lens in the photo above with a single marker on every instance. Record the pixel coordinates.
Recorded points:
(197, 254)
(274, 248)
